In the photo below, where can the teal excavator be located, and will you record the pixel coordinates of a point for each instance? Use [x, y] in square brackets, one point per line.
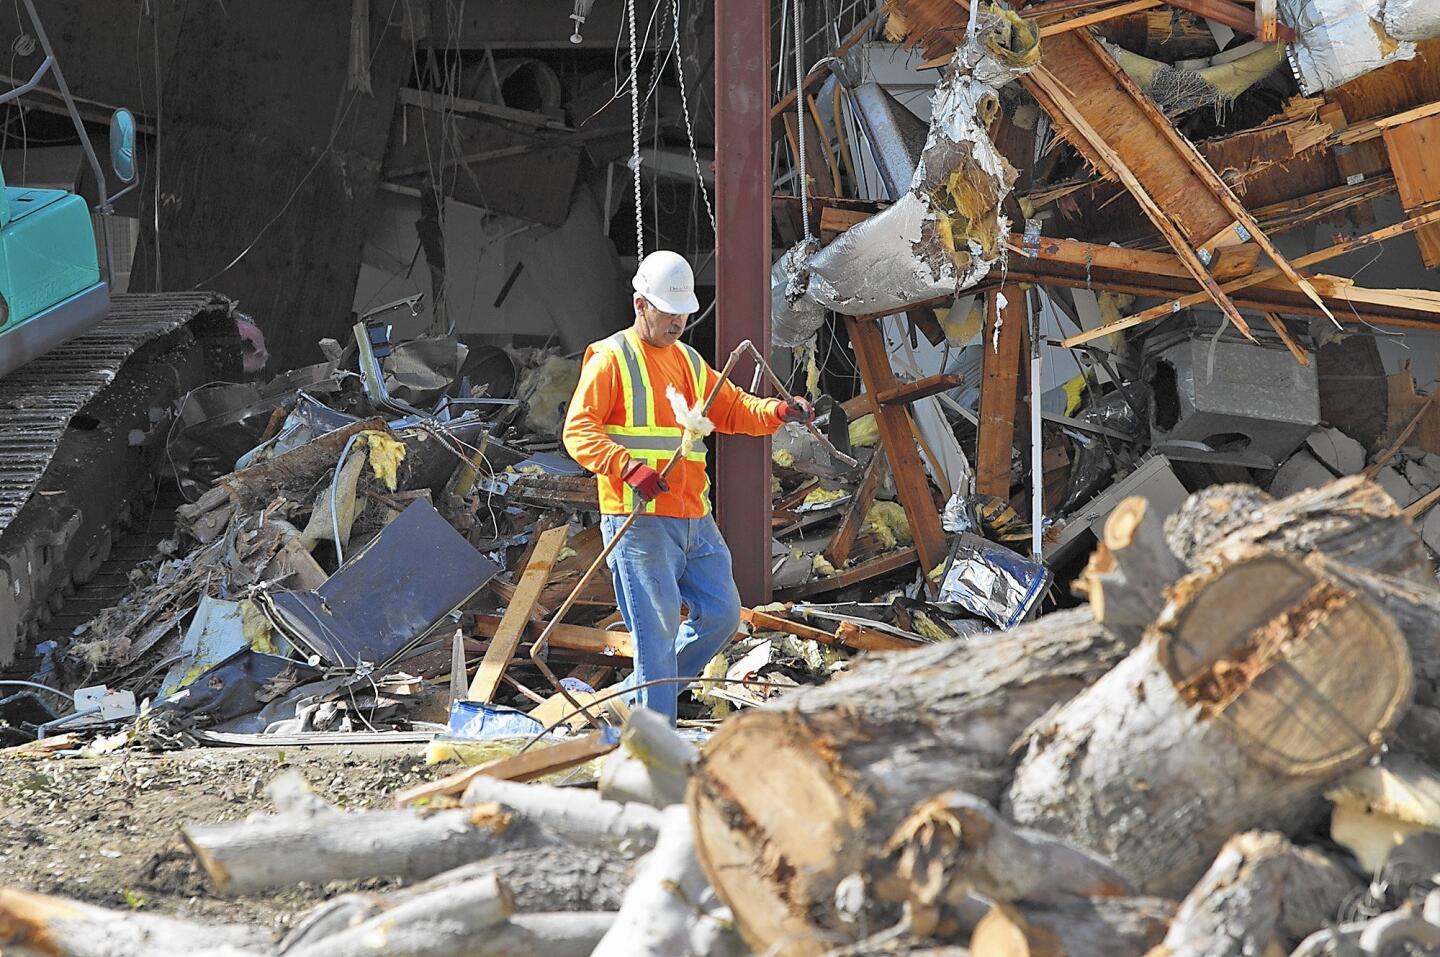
[88, 381]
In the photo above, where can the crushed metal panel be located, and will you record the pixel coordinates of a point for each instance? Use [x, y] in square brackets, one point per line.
[218, 631]
[1153, 479]
[394, 590]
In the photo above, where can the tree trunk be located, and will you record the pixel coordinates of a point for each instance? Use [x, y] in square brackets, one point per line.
[544, 935]
[442, 923]
[39, 924]
[1077, 927]
[792, 800]
[1130, 571]
[666, 913]
[1262, 893]
[543, 879]
[321, 844]
[1262, 682]
[955, 844]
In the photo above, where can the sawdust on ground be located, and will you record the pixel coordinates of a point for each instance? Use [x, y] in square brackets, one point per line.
[107, 830]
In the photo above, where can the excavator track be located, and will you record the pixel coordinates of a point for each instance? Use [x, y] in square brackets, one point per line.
[82, 430]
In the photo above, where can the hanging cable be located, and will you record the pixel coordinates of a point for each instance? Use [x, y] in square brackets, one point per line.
[635, 130]
[800, 115]
[685, 108]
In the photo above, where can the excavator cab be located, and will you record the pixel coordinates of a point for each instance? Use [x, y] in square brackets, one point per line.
[51, 285]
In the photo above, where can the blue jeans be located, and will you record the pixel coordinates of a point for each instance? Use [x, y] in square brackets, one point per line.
[658, 564]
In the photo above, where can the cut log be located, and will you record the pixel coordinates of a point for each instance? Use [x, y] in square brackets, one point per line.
[653, 764]
[670, 910]
[1261, 683]
[791, 800]
[284, 849]
[1128, 590]
[574, 817]
[544, 879]
[1366, 546]
[1262, 893]
[1077, 927]
[55, 927]
[442, 923]
[955, 845]
[543, 935]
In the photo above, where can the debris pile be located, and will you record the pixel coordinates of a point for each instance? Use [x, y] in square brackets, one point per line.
[1105, 597]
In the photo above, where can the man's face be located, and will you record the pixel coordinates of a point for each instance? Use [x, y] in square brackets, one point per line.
[658, 328]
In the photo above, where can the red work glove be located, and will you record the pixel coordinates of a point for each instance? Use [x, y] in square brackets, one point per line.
[797, 409]
[646, 482]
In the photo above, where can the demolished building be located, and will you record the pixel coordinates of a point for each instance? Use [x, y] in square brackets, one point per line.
[1094, 614]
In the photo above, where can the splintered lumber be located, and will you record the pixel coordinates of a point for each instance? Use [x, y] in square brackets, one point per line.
[53, 926]
[1262, 276]
[517, 615]
[440, 923]
[1240, 18]
[1098, 108]
[1261, 683]
[1106, 927]
[791, 800]
[1261, 894]
[664, 912]
[521, 767]
[955, 845]
[837, 551]
[855, 574]
[1001, 340]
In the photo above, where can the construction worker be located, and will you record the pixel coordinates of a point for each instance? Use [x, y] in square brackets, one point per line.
[622, 426]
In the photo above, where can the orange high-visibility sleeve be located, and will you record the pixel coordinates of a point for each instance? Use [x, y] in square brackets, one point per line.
[596, 395]
[737, 412]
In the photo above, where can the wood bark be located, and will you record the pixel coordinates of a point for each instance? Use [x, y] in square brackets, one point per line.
[1075, 927]
[1128, 576]
[319, 844]
[544, 935]
[441, 923]
[669, 910]
[1262, 893]
[1262, 683]
[791, 800]
[52, 926]
[653, 764]
[956, 845]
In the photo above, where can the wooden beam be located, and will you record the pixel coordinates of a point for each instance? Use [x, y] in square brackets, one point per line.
[1370, 129]
[526, 766]
[863, 572]
[1233, 15]
[1296, 350]
[837, 552]
[999, 392]
[1414, 151]
[565, 637]
[517, 615]
[898, 440]
[765, 621]
[1259, 277]
[907, 392]
[872, 639]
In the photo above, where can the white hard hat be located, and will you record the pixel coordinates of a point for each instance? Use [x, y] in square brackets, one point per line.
[665, 278]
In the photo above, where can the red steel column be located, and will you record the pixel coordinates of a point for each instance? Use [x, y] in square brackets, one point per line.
[742, 263]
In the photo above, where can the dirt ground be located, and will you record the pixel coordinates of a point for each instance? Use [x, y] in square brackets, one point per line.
[106, 830]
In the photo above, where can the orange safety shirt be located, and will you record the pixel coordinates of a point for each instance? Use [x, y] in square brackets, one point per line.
[620, 411]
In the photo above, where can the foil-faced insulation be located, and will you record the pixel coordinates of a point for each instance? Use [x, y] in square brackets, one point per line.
[945, 231]
[1338, 40]
[1412, 20]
